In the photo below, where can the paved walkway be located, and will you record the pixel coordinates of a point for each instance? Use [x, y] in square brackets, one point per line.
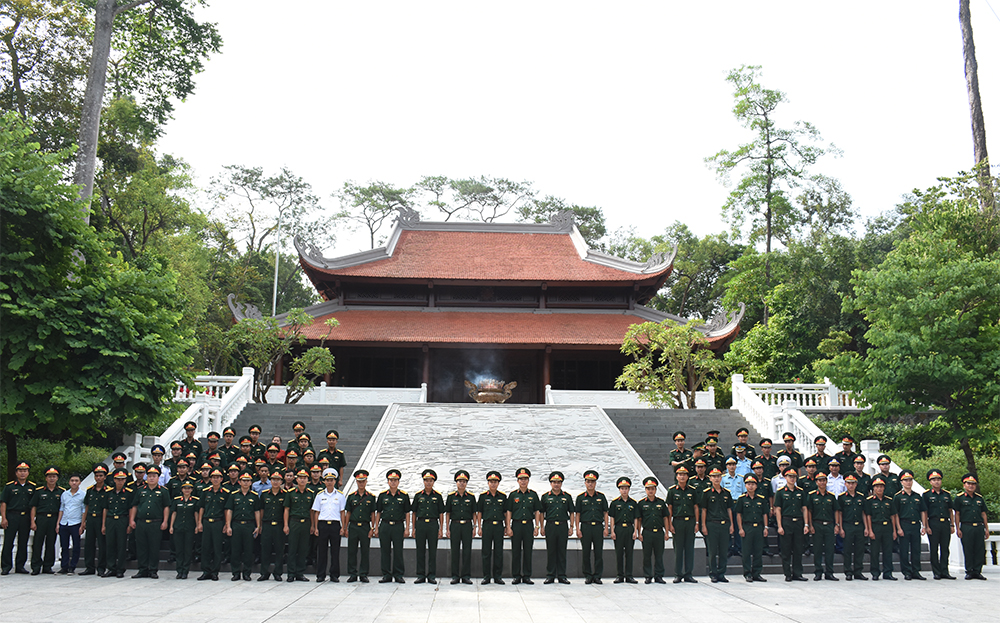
[77, 599]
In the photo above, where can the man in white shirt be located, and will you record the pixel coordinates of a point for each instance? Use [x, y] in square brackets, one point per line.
[835, 481]
[778, 481]
[327, 523]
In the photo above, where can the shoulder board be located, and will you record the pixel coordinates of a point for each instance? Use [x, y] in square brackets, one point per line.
[178, 497]
[435, 491]
[31, 483]
[403, 492]
[671, 487]
[976, 495]
[88, 488]
[384, 491]
[487, 491]
[870, 497]
[61, 488]
[129, 489]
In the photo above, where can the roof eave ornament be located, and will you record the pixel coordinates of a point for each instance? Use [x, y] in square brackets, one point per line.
[408, 218]
[563, 220]
[723, 322]
[242, 311]
[658, 261]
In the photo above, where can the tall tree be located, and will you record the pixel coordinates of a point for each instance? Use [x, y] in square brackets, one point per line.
[589, 219]
[373, 206]
[972, 84]
[484, 198]
[159, 48]
[772, 164]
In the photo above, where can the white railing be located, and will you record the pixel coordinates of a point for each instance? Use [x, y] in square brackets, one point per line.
[824, 395]
[325, 395]
[212, 386]
[615, 399]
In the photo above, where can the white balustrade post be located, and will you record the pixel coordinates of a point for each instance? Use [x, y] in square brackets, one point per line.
[203, 428]
[779, 421]
[322, 392]
[834, 393]
[423, 393]
[870, 448]
[737, 381]
[711, 397]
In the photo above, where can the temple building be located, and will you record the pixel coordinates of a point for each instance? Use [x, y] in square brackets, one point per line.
[443, 302]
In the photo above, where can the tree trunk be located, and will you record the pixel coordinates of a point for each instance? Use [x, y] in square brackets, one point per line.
[970, 456]
[90, 118]
[972, 83]
[10, 439]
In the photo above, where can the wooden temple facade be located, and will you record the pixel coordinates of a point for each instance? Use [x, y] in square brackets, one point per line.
[444, 302]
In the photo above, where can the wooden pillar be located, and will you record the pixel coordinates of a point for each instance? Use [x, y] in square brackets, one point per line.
[547, 368]
[426, 376]
[279, 372]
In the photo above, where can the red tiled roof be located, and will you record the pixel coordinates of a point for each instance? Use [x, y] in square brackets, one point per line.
[444, 327]
[486, 256]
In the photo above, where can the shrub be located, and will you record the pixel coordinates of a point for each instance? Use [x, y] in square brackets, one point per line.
[41, 454]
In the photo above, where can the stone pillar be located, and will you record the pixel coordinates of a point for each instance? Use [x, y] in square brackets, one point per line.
[870, 448]
[426, 375]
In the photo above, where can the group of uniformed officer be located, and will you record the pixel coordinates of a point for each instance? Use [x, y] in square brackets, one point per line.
[207, 515]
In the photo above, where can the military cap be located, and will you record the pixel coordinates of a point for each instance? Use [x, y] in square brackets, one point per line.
[205, 466]
[23, 465]
[970, 477]
[765, 443]
[309, 451]
[757, 464]
[119, 473]
[650, 481]
[233, 468]
[181, 461]
[523, 472]
[229, 430]
[187, 484]
[304, 436]
[213, 435]
[259, 463]
[273, 448]
[711, 441]
[883, 459]
[245, 476]
[713, 433]
[190, 456]
[556, 476]
[214, 455]
[361, 474]
[278, 474]
[52, 469]
[393, 473]
[743, 431]
[332, 434]
[740, 447]
[715, 470]
[494, 475]
[850, 478]
[329, 473]
[428, 473]
[860, 459]
[820, 476]
[158, 449]
[254, 429]
[242, 459]
[820, 439]
[700, 462]
[833, 461]
[100, 468]
[153, 469]
[118, 457]
[788, 437]
[749, 477]
[298, 425]
[323, 461]
[847, 439]
[461, 475]
[731, 460]
[906, 473]
[139, 467]
[679, 435]
[291, 454]
[316, 468]
[176, 444]
[302, 472]
[935, 473]
[684, 470]
[784, 458]
[790, 470]
[878, 480]
[810, 462]
[245, 439]
[216, 472]
[700, 447]
[624, 480]
[190, 426]
[590, 474]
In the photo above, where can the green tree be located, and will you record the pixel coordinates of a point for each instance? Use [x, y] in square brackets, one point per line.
[372, 206]
[671, 361]
[771, 165]
[589, 220]
[934, 310]
[484, 198]
[83, 341]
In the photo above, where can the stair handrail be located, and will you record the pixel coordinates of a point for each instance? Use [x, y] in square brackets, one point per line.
[823, 395]
[238, 396]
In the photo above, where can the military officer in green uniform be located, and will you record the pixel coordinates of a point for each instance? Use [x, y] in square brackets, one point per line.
[864, 480]
[335, 455]
[558, 511]
[879, 511]
[713, 457]
[824, 523]
[257, 447]
[699, 480]
[243, 512]
[115, 523]
[852, 529]
[360, 506]
[149, 517]
[751, 511]
[654, 526]
[298, 514]
[717, 525]
[183, 526]
[392, 524]
[970, 515]
[910, 511]
[821, 458]
[624, 514]
[792, 516]
[190, 444]
[592, 527]
[491, 525]
[213, 448]
[95, 551]
[44, 518]
[211, 520]
[272, 528]
[743, 439]
[15, 518]
[789, 450]
[460, 511]
[769, 460]
[937, 524]
[524, 516]
[428, 521]
[892, 486]
[847, 458]
[682, 504]
[681, 456]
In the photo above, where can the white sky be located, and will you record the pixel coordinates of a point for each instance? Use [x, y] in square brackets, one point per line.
[607, 104]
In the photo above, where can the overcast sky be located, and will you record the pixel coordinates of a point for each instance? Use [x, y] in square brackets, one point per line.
[607, 104]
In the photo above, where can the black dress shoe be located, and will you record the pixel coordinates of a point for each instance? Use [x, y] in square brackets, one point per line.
[246, 576]
[141, 574]
[180, 576]
[152, 575]
[564, 581]
[589, 581]
[714, 580]
[859, 576]
[948, 577]
[87, 572]
[498, 581]
[364, 579]
[917, 576]
[215, 577]
[431, 581]
[21, 570]
[799, 578]
[320, 578]
[848, 577]
[659, 580]
[528, 581]
[690, 580]
[7, 572]
[649, 580]
[748, 578]
[236, 578]
[619, 580]
[549, 581]
[39, 572]
[889, 577]
[455, 580]
[516, 581]
[301, 578]
[831, 577]
[485, 581]
[400, 580]
[352, 578]
[291, 578]
[277, 577]
[598, 581]
[817, 577]
[907, 577]
[420, 580]
[466, 581]
[980, 576]
[108, 574]
[385, 580]
[788, 578]
[120, 575]
[631, 581]
[335, 578]
[759, 578]
[678, 580]
[723, 579]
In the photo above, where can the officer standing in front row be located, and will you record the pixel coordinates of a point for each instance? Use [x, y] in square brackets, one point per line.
[852, 528]
[937, 524]
[523, 519]
[15, 519]
[44, 518]
[623, 512]
[243, 526]
[298, 507]
[682, 504]
[183, 525]
[654, 526]
[358, 515]
[592, 527]
[558, 510]
[491, 525]
[149, 517]
[428, 518]
[272, 528]
[115, 523]
[392, 524]
[970, 515]
[95, 554]
[460, 510]
[751, 512]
